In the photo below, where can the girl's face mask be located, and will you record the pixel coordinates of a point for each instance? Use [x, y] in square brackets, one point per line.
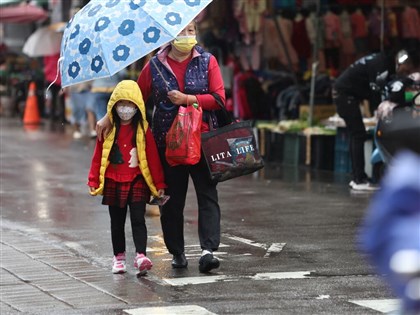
[184, 43]
[126, 112]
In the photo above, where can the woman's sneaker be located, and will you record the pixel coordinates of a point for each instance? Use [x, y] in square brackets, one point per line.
[142, 264]
[207, 263]
[118, 263]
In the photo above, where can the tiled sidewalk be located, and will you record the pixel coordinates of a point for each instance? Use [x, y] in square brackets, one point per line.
[41, 278]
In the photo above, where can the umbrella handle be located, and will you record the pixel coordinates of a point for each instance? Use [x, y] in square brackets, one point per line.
[56, 76]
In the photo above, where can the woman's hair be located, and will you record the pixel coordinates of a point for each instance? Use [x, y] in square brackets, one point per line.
[195, 26]
[137, 120]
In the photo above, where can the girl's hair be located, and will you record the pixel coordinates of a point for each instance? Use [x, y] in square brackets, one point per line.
[137, 120]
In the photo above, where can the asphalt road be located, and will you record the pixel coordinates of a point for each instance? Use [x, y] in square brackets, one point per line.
[288, 242]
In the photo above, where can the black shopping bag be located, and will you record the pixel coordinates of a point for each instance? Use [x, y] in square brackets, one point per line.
[231, 151]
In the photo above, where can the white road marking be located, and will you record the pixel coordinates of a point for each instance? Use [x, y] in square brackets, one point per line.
[383, 306]
[259, 276]
[196, 280]
[274, 248]
[195, 250]
[322, 297]
[189, 248]
[282, 275]
[170, 310]
[246, 241]
[198, 255]
[192, 246]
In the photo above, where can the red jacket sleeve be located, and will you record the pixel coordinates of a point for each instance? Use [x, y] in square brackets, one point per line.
[207, 101]
[93, 177]
[153, 160]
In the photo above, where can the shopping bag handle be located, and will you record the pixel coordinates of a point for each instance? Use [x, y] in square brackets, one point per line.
[161, 75]
[226, 115]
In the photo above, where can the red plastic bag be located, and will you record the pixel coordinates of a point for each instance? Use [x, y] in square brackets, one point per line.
[183, 140]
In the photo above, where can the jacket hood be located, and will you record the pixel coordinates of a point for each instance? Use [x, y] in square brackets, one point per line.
[127, 90]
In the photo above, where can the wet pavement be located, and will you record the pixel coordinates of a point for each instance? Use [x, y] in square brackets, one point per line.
[288, 241]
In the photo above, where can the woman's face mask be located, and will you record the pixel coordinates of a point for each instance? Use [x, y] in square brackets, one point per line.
[184, 43]
[126, 112]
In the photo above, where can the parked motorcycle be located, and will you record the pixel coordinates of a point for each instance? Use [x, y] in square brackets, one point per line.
[398, 124]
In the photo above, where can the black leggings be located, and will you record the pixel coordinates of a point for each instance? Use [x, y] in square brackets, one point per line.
[138, 226]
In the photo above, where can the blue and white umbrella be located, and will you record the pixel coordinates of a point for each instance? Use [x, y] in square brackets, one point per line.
[106, 36]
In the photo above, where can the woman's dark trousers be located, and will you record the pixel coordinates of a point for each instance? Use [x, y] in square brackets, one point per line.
[172, 213]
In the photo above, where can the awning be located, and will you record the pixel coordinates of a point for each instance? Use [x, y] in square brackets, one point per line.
[22, 14]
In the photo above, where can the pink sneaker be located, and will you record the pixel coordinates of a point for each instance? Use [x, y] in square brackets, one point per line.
[118, 263]
[142, 263]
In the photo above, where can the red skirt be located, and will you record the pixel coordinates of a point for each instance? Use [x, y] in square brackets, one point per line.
[119, 194]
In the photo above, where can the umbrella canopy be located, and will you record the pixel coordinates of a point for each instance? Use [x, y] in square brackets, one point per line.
[22, 14]
[107, 36]
[43, 42]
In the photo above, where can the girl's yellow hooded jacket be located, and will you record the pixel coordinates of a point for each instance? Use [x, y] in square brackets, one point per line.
[130, 91]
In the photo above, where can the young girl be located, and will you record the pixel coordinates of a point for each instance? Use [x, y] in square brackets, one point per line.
[126, 169]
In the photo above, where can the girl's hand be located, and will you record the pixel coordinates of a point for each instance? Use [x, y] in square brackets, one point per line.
[103, 127]
[92, 190]
[161, 192]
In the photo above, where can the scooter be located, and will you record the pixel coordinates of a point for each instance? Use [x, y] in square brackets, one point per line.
[398, 124]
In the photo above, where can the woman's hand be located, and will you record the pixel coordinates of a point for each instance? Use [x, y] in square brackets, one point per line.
[177, 97]
[92, 190]
[103, 127]
[161, 192]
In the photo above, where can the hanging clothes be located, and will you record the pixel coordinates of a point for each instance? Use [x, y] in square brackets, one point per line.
[360, 32]
[241, 107]
[374, 30]
[410, 27]
[311, 22]
[300, 41]
[250, 16]
[284, 4]
[273, 46]
[391, 18]
[333, 38]
[332, 30]
[347, 44]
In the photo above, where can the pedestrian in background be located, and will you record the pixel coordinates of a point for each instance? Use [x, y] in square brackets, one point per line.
[79, 98]
[126, 169]
[55, 104]
[358, 83]
[182, 74]
[91, 116]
